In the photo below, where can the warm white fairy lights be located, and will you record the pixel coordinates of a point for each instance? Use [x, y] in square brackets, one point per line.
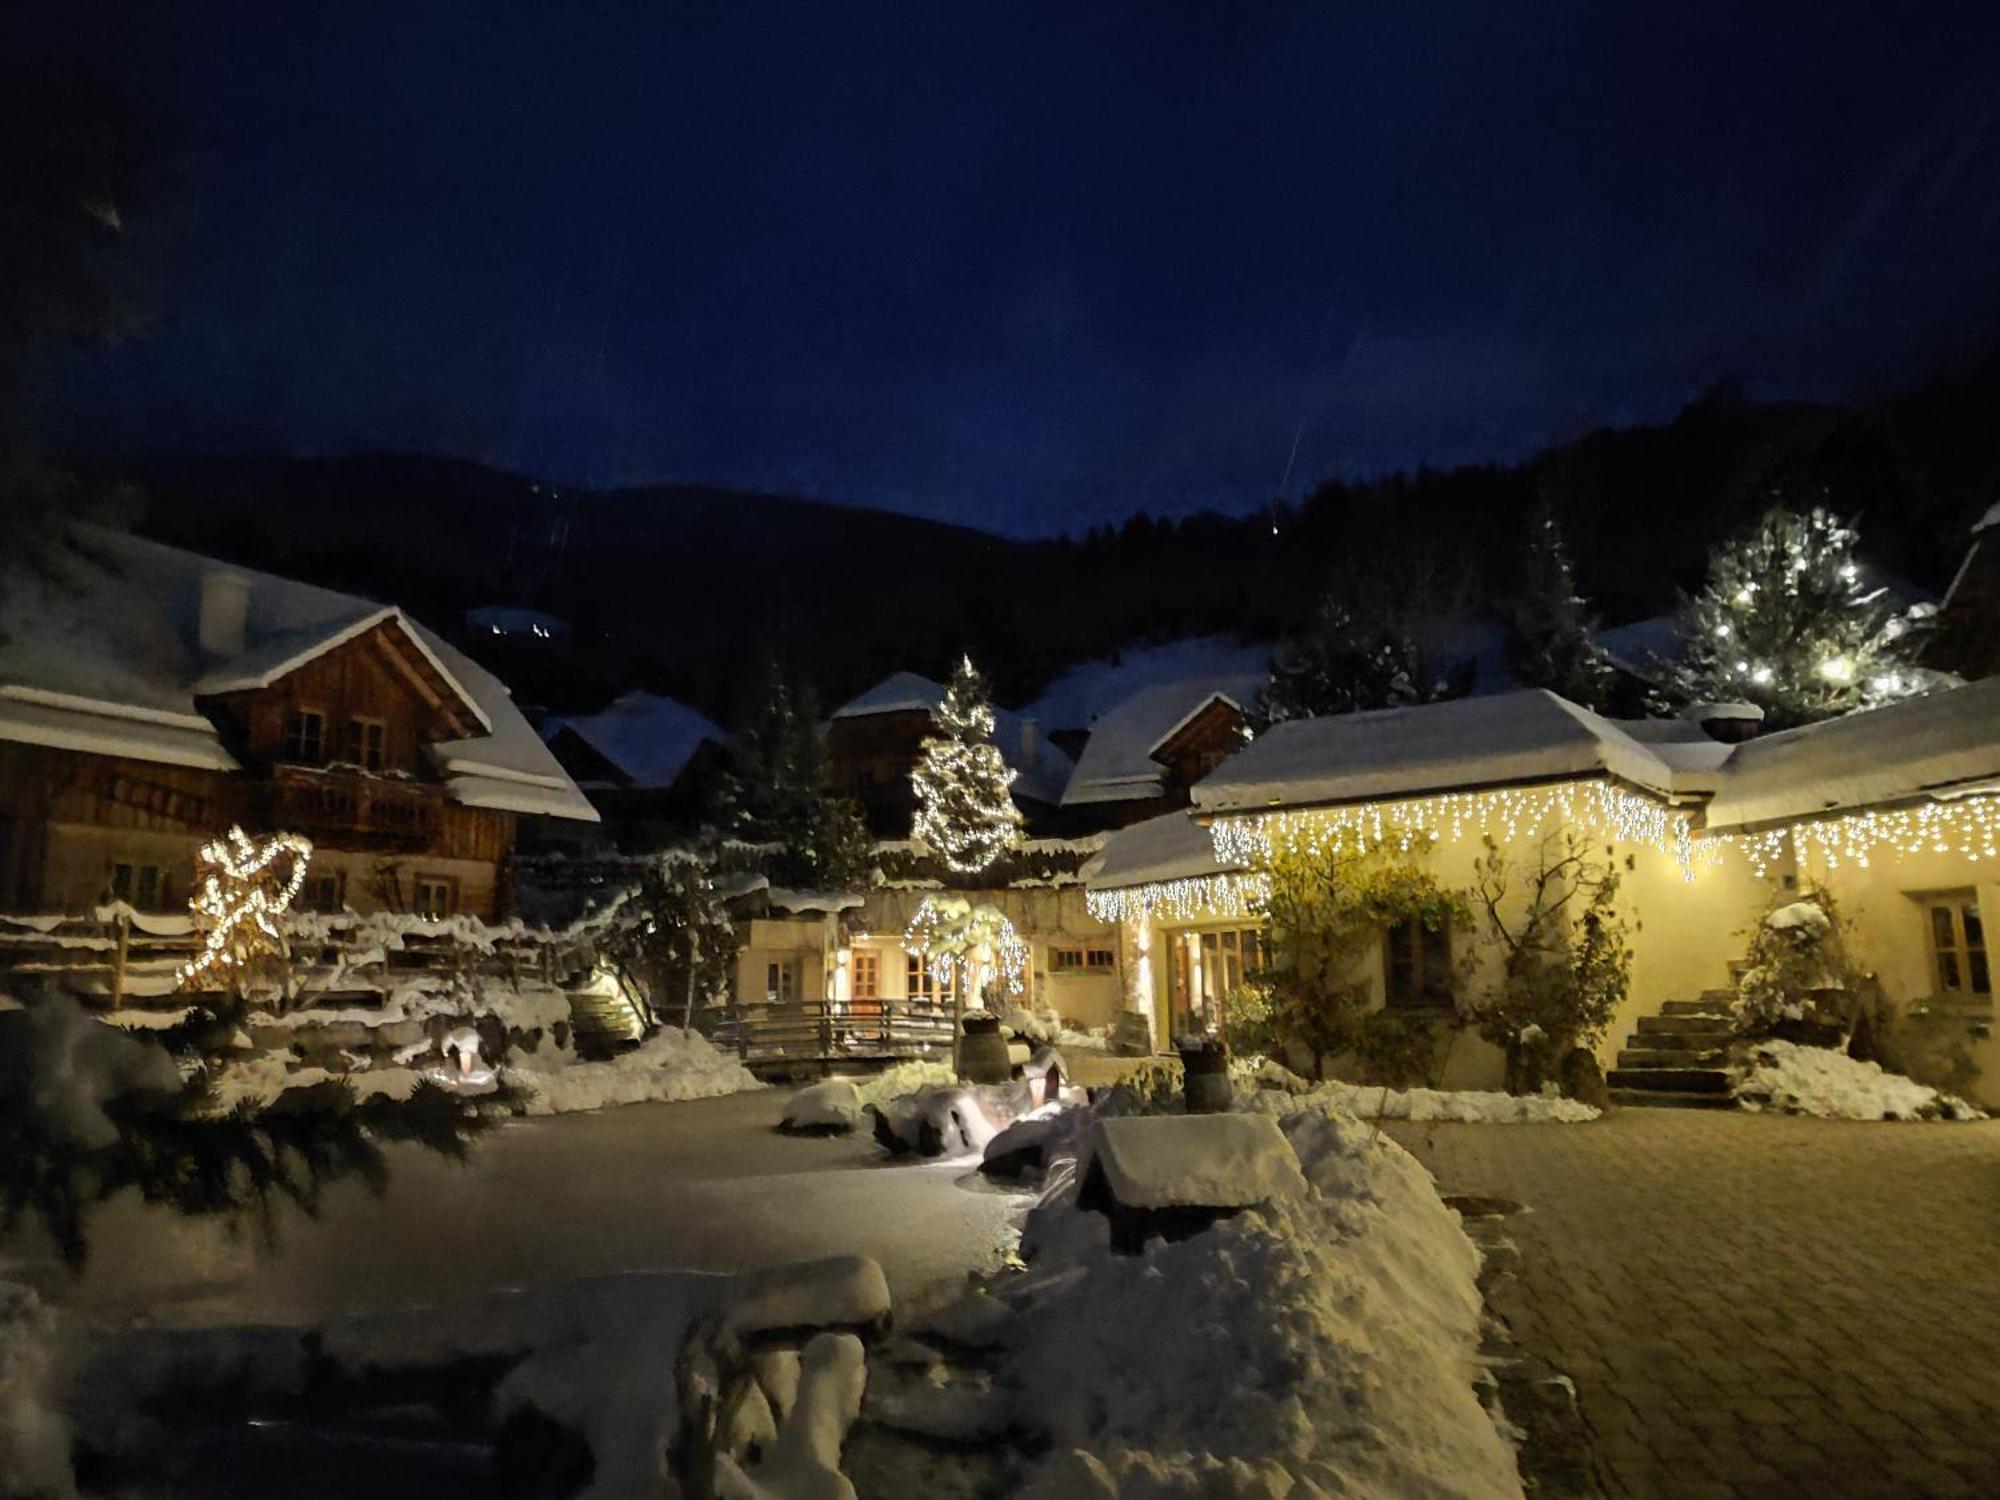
[1183, 900]
[1508, 813]
[240, 898]
[964, 812]
[1968, 827]
[948, 932]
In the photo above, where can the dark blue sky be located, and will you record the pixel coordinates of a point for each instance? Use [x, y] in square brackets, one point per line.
[1037, 266]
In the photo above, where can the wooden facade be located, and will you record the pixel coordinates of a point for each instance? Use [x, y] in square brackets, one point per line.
[333, 750]
[870, 757]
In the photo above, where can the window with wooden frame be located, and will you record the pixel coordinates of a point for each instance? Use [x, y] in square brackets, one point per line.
[436, 896]
[367, 739]
[326, 891]
[1065, 960]
[781, 981]
[864, 974]
[142, 887]
[920, 983]
[1416, 966]
[305, 736]
[1099, 960]
[1958, 943]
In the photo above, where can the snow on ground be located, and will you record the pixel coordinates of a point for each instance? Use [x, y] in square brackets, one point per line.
[34, 1432]
[671, 1064]
[1454, 1106]
[1325, 1342]
[1797, 1080]
[1222, 1161]
[59, 1067]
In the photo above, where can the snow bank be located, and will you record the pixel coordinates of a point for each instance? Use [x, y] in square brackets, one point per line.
[1453, 1106]
[1325, 1342]
[904, 1078]
[672, 1064]
[829, 1108]
[1797, 1080]
[34, 1433]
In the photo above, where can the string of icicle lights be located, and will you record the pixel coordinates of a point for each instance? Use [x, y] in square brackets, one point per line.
[1968, 827]
[1509, 813]
[239, 899]
[1181, 900]
[949, 932]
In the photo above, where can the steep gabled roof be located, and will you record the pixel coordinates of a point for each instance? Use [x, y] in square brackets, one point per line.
[103, 657]
[1042, 776]
[647, 737]
[1941, 744]
[1506, 739]
[1118, 762]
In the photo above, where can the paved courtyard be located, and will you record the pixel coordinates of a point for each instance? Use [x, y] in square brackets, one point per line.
[1757, 1306]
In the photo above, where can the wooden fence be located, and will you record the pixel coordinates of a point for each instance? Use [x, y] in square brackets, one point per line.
[801, 1035]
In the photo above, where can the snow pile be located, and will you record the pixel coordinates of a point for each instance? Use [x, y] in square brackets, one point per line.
[1325, 1342]
[829, 1108]
[1215, 1161]
[904, 1078]
[671, 1064]
[58, 1068]
[1451, 1106]
[34, 1433]
[1798, 1080]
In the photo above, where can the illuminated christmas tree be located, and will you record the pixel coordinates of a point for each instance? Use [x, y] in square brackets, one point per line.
[1787, 621]
[245, 887]
[1549, 626]
[964, 812]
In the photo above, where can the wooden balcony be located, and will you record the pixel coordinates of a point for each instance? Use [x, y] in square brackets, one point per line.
[352, 808]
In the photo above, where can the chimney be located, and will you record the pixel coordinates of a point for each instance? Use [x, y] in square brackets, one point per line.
[1731, 723]
[225, 603]
[1031, 733]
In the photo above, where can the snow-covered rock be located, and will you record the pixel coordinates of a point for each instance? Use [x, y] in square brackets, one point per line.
[1792, 1079]
[1195, 1161]
[671, 1064]
[843, 1291]
[904, 1078]
[955, 1120]
[829, 1108]
[803, 1463]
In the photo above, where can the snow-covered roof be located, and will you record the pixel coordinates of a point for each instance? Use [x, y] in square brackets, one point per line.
[1117, 763]
[1170, 847]
[1043, 775]
[1526, 736]
[102, 657]
[648, 737]
[1642, 647]
[1939, 744]
[1090, 689]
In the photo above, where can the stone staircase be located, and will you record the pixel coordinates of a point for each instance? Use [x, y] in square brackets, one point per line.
[605, 1025]
[1677, 1059]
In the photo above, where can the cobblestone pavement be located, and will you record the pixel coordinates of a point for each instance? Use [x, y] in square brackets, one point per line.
[1756, 1305]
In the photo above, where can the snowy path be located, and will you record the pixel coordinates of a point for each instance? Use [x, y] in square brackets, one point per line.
[1756, 1305]
[704, 1185]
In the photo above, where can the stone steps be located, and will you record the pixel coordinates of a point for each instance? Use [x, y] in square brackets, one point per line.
[1715, 1025]
[1671, 1057]
[1671, 1080]
[1696, 1008]
[1669, 1099]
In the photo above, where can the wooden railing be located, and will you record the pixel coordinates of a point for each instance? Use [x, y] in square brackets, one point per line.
[778, 1036]
[348, 802]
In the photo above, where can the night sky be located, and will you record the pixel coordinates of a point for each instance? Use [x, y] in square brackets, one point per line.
[1037, 266]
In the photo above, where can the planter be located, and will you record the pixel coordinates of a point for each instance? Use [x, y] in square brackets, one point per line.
[982, 1051]
[1205, 1079]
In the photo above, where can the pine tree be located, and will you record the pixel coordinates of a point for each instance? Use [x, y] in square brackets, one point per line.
[1366, 646]
[1549, 626]
[675, 944]
[1786, 621]
[965, 814]
[777, 796]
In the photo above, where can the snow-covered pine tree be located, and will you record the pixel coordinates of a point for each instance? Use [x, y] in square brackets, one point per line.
[1787, 621]
[965, 814]
[1367, 645]
[1549, 626]
[777, 796]
[675, 942]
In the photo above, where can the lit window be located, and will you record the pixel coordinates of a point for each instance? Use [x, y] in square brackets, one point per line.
[1207, 965]
[305, 731]
[921, 983]
[437, 897]
[865, 974]
[1958, 944]
[781, 981]
[1416, 965]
